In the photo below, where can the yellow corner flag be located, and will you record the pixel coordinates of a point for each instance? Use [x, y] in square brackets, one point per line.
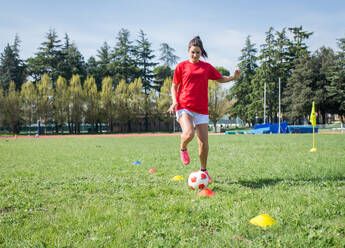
[313, 116]
[313, 122]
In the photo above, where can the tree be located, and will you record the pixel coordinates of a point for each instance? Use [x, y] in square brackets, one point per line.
[308, 83]
[47, 59]
[161, 72]
[151, 109]
[104, 68]
[240, 92]
[29, 103]
[93, 70]
[61, 103]
[2, 106]
[144, 56]
[107, 100]
[72, 61]
[218, 104]
[136, 101]
[12, 68]
[164, 100]
[77, 102]
[123, 113]
[91, 102]
[298, 47]
[167, 55]
[123, 62]
[323, 60]
[223, 71]
[336, 88]
[12, 111]
[44, 100]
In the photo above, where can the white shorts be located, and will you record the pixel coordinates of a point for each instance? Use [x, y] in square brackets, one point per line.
[197, 118]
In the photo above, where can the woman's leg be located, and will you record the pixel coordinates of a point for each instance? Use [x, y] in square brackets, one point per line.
[202, 134]
[186, 123]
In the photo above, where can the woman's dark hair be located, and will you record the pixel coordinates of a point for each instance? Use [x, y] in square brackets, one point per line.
[196, 41]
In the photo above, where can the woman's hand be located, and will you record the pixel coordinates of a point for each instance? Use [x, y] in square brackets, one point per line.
[225, 79]
[171, 110]
[237, 73]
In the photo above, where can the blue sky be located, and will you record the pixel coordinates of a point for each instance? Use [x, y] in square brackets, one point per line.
[223, 25]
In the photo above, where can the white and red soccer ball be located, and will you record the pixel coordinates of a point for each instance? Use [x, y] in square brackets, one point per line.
[198, 180]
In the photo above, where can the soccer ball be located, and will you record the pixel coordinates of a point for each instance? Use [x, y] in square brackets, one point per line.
[198, 180]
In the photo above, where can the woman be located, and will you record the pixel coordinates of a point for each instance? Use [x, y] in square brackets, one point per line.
[190, 99]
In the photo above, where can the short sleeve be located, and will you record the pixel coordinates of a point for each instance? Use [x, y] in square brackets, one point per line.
[177, 75]
[213, 73]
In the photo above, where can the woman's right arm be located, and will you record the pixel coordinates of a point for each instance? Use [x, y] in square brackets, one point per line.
[171, 110]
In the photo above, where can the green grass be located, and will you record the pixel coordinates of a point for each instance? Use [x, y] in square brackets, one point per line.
[86, 192]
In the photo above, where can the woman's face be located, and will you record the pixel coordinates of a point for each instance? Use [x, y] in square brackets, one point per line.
[194, 54]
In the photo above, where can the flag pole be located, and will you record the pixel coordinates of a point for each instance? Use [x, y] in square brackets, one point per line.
[313, 122]
[265, 103]
[279, 107]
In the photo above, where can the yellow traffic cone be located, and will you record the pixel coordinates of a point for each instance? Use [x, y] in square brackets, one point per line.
[177, 178]
[262, 220]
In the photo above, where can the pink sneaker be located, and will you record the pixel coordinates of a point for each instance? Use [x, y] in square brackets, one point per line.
[209, 177]
[185, 157]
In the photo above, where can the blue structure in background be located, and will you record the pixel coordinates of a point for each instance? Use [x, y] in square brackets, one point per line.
[302, 129]
[269, 128]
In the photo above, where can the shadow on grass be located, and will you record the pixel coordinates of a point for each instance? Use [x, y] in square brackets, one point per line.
[265, 182]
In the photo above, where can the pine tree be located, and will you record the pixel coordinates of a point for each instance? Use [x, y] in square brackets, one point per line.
[123, 62]
[104, 56]
[29, 103]
[298, 47]
[242, 88]
[144, 56]
[161, 73]
[299, 90]
[12, 68]
[2, 106]
[72, 61]
[47, 59]
[167, 55]
[324, 59]
[336, 88]
[92, 71]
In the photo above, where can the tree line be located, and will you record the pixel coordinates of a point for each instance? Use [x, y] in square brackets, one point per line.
[64, 88]
[123, 83]
[305, 77]
[75, 102]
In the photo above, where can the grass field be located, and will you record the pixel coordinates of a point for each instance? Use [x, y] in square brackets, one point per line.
[86, 192]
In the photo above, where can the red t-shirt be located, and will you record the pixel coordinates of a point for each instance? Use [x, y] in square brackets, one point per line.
[192, 79]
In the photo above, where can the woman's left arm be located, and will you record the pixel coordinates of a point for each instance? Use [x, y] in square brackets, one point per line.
[225, 79]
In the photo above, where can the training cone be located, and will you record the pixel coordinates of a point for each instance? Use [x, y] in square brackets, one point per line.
[262, 220]
[153, 170]
[313, 149]
[177, 178]
[136, 162]
[206, 192]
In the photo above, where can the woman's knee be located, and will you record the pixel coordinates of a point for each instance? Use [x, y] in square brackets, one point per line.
[203, 145]
[188, 134]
